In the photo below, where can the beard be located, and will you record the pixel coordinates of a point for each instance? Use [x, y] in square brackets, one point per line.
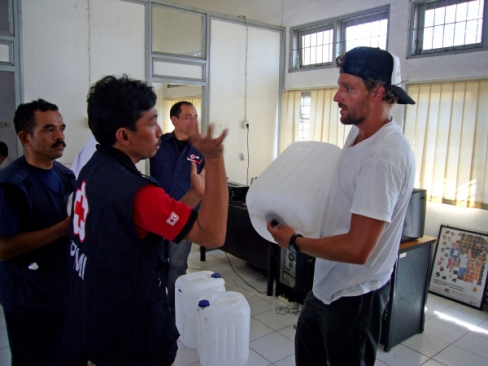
[351, 120]
[355, 114]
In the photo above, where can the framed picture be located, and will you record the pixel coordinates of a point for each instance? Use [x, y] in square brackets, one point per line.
[460, 267]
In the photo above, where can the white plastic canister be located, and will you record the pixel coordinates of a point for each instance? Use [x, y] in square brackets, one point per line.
[223, 329]
[188, 288]
[293, 189]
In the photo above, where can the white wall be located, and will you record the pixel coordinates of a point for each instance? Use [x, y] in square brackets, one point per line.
[55, 61]
[241, 92]
[265, 11]
[469, 218]
[70, 44]
[461, 66]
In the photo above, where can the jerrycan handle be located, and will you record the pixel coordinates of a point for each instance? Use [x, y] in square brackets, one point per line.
[226, 301]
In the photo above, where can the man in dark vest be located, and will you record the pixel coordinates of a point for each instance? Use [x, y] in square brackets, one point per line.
[34, 245]
[117, 308]
[171, 167]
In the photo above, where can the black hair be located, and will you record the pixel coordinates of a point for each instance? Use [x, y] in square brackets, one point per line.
[116, 102]
[3, 149]
[176, 109]
[24, 119]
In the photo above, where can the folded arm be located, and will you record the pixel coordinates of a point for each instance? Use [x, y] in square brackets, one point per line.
[18, 244]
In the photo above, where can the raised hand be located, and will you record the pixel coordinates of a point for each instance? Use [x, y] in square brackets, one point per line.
[211, 148]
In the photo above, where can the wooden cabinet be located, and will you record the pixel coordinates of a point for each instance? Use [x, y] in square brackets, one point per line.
[405, 312]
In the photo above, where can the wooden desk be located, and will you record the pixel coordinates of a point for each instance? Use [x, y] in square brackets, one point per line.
[245, 243]
[405, 312]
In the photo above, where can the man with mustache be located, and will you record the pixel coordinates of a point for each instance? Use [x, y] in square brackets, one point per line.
[340, 322]
[34, 246]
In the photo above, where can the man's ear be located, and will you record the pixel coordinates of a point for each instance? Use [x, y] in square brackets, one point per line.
[122, 136]
[24, 138]
[377, 93]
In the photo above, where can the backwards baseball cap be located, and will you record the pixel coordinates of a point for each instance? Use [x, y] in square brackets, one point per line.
[377, 64]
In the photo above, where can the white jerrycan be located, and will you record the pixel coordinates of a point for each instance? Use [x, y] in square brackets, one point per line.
[293, 189]
[188, 288]
[224, 320]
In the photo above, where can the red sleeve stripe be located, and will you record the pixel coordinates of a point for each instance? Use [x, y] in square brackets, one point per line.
[156, 212]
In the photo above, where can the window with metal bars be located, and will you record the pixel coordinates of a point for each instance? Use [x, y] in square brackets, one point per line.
[447, 26]
[318, 44]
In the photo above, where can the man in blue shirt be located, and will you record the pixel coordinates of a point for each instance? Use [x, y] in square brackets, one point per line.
[171, 166]
[34, 247]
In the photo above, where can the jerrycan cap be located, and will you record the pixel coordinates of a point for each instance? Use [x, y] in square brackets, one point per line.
[216, 275]
[203, 304]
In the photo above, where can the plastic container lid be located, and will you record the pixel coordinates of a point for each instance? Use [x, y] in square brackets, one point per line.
[204, 303]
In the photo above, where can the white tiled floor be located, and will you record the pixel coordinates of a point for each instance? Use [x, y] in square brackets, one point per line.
[454, 333]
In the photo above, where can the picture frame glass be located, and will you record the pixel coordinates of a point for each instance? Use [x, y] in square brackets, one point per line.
[460, 267]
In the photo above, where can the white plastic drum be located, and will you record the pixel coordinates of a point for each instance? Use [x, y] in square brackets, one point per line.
[188, 288]
[293, 189]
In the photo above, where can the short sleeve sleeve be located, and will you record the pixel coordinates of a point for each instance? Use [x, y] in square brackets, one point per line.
[156, 212]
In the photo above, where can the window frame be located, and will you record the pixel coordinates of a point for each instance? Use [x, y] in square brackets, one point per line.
[9, 18]
[362, 19]
[13, 39]
[309, 31]
[415, 39]
[337, 25]
[204, 32]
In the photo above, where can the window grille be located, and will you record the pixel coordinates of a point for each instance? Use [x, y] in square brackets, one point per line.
[447, 25]
[368, 30]
[318, 44]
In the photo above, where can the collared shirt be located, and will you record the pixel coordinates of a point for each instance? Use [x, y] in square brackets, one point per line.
[172, 169]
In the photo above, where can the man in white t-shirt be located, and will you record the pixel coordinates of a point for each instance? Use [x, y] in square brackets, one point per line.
[340, 322]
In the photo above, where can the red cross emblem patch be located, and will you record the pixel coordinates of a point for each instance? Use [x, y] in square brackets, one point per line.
[172, 219]
[80, 212]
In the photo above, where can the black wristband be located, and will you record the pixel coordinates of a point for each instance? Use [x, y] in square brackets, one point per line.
[292, 245]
